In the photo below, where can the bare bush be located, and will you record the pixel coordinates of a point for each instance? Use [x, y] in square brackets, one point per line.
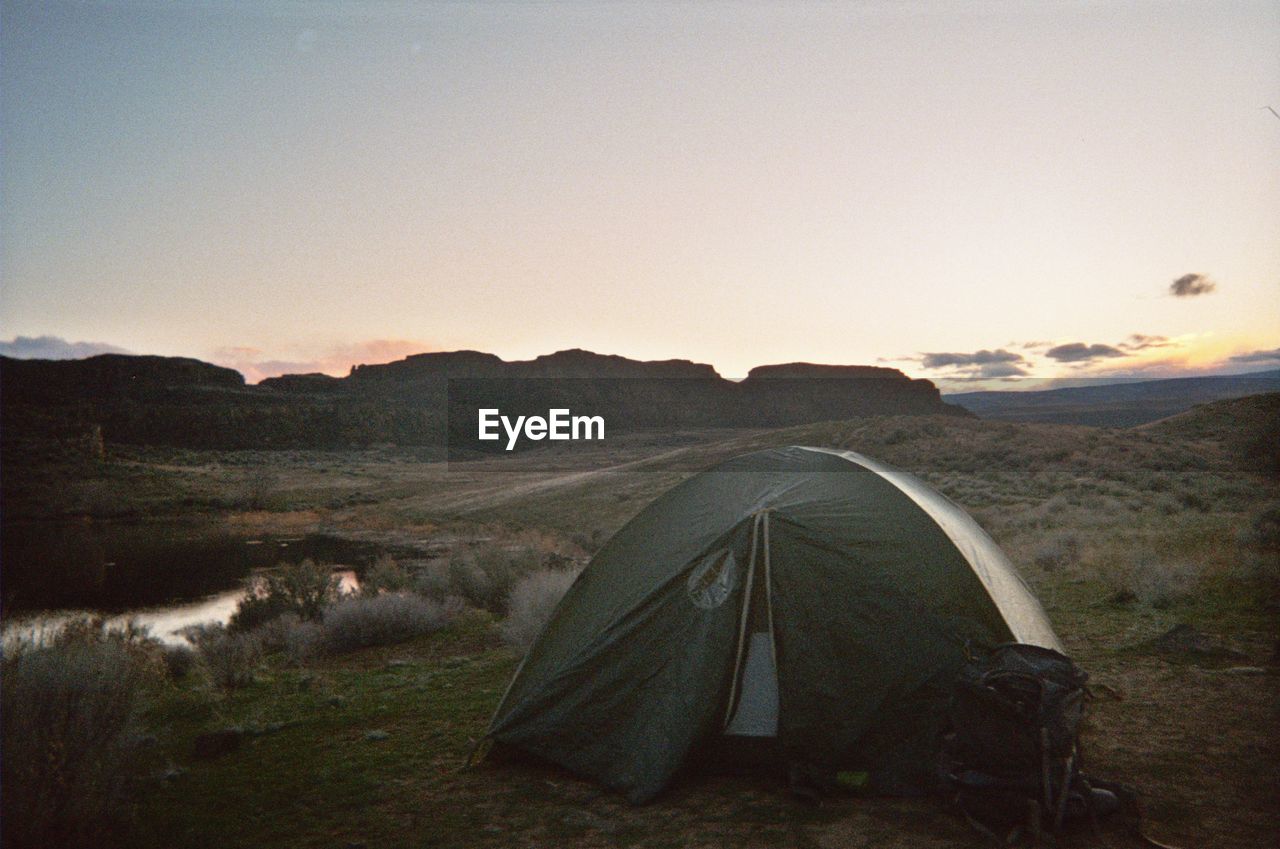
[355, 623]
[532, 601]
[68, 707]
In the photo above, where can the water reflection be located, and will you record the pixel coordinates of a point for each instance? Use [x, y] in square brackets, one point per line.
[165, 622]
[119, 566]
[163, 574]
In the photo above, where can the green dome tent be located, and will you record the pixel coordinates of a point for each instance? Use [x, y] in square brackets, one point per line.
[812, 598]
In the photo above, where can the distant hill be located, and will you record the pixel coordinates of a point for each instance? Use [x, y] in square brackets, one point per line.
[1247, 427]
[1114, 404]
[422, 399]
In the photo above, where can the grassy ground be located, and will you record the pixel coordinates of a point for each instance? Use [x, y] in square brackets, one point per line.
[1122, 533]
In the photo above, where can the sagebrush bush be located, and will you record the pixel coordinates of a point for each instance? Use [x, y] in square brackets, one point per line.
[432, 580]
[1058, 552]
[178, 661]
[532, 601]
[274, 633]
[302, 642]
[228, 658]
[68, 708]
[1158, 584]
[297, 640]
[359, 622]
[486, 575]
[385, 575]
[304, 589]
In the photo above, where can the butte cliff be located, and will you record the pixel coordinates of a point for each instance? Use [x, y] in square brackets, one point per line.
[416, 401]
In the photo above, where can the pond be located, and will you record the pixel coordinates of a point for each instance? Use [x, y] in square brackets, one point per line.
[166, 575]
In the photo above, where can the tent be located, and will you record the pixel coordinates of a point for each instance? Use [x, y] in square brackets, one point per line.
[808, 598]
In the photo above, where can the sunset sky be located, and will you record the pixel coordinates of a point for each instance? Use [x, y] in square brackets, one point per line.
[978, 188]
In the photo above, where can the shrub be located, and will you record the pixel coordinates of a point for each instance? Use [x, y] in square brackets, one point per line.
[228, 658]
[385, 575]
[302, 642]
[1158, 584]
[532, 602]
[355, 623]
[297, 639]
[273, 634]
[1261, 545]
[1058, 552]
[485, 576]
[304, 589]
[177, 660]
[68, 707]
[432, 580]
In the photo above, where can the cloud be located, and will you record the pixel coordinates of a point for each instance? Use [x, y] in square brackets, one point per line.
[977, 358]
[1079, 352]
[1140, 342]
[1190, 285]
[999, 370]
[54, 348]
[256, 364]
[1272, 356]
[983, 363]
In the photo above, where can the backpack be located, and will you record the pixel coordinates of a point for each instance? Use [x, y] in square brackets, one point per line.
[1010, 757]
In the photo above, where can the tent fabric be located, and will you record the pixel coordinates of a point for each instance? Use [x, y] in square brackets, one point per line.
[872, 585]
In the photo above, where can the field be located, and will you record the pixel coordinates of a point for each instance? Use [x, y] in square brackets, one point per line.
[1123, 534]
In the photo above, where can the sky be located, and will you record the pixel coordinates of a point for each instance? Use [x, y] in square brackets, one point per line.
[955, 189]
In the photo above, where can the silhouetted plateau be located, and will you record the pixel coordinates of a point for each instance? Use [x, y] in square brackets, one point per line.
[181, 402]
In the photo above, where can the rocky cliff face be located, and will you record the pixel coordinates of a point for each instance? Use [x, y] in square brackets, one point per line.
[424, 398]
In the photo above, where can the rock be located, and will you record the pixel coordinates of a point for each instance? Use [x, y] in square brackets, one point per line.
[214, 743]
[398, 663]
[376, 734]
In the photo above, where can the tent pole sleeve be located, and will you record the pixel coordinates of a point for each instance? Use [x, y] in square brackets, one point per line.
[742, 624]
